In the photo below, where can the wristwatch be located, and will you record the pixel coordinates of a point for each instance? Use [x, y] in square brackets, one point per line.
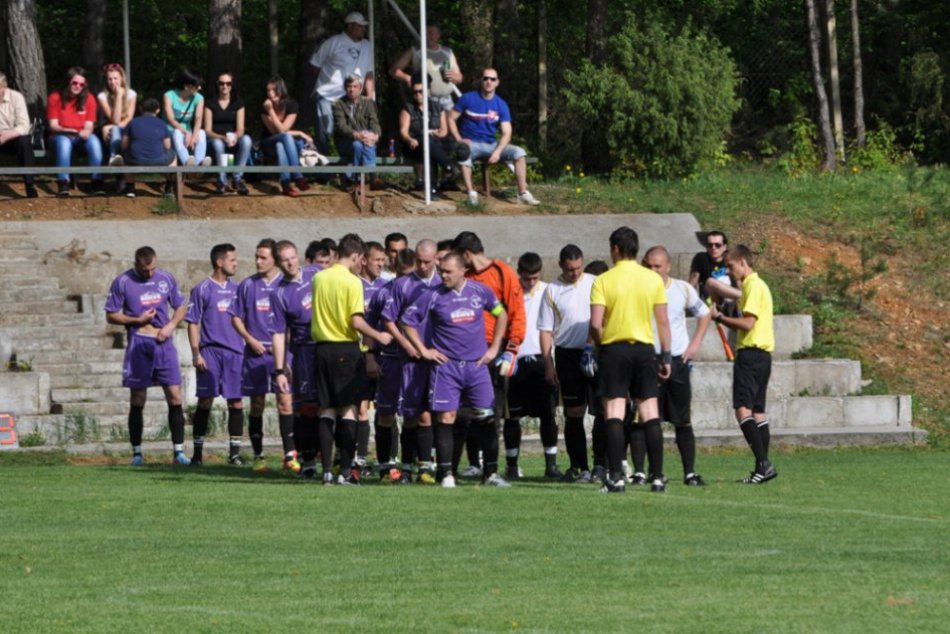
[279, 372]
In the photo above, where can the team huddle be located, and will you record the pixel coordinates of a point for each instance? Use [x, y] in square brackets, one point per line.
[448, 344]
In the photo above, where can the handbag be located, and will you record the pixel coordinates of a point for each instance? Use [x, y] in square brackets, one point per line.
[38, 134]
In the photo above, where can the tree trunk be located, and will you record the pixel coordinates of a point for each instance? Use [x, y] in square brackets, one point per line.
[596, 30]
[542, 76]
[26, 68]
[224, 39]
[477, 18]
[824, 121]
[859, 129]
[831, 26]
[93, 38]
[507, 50]
[273, 36]
[312, 29]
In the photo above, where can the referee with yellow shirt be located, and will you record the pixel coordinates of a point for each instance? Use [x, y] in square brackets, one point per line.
[755, 341]
[337, 308]
[622, 302]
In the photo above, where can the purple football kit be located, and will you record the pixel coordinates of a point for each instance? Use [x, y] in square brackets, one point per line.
[414, 386]
[252, 305]
[458, 331]
[219, 343]
[147, 361]
[292, 314]
[370, 290]
[390, 358]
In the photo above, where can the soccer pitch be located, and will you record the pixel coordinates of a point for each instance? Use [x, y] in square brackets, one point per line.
[845, 540]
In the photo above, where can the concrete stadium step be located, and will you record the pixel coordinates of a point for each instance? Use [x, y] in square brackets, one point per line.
[17, 240]
[89, 394]
[823, 412]
[60, 306]
[86, 375]
[29, 258]
[154, 406]
[793, 334]
[87, 360]
[800, 377]
[31, 280]
[75, 345]
[29, 294]
[21, 267]
[58, 321]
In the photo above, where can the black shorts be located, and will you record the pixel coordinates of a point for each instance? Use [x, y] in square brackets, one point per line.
[676, 394]
[627, 369]
[529, 394]
[340, 372]
[575, 387]
[750, 379]
[368, 385]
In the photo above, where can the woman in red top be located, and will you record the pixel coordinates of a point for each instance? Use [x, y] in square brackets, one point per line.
[72, 116]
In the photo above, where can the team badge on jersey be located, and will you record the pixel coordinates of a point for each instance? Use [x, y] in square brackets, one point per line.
[223, 305]
[163, 287]
[262, 304]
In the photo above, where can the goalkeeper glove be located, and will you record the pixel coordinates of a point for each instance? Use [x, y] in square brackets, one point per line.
[507, 363]
[588, 362]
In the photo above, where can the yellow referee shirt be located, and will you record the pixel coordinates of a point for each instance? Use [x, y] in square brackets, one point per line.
[756, 300]
[337, 296]
[628, 292]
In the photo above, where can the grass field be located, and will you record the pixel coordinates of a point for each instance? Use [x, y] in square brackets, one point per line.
[843, 540]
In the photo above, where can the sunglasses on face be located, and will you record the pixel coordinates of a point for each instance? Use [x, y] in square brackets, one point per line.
[224, 83]
[715, 245]
[78, 84]
[486, 78]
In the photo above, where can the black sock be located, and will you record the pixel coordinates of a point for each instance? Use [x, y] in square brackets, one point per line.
[766, 436]
[176, 423]
[199, 424]
[286, 424]
[752, 436]
[325, 438]
[598, 441]
[307, 437]
[575, 440]
[298, 432]
[686, 441]
[409, 444]
[654, 434]
[362, 438]
[255, 429]
[424, 442]
[638, 447]
[512, 433]
[459, 437]
[235, 430]
[488, 439]
[346, 442]
[548, 429]
[472, 445]
[616, 448]
[384, 443]
[394, 447]
[444, 451]
[136, 423]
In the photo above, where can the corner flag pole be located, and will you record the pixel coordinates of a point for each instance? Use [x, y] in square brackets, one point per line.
[427, 170]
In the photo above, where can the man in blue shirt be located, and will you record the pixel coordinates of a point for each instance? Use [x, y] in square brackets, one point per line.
[475, 121]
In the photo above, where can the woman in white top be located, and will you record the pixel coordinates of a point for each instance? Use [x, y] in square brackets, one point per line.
[117, 104]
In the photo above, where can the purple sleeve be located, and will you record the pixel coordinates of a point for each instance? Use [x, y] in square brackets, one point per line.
[415, 313]
[175, 296]
[116, 298]
[279, 310]
[390, 311]
[236, 309]
[193, 316]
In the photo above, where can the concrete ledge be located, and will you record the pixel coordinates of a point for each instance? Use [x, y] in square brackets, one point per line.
[820, 412]
[831, 377]
[24, 392]
[793, 334]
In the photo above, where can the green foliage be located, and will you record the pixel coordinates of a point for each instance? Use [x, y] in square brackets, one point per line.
[802, 155]
[166, 206]
[78, 427]
[881, 149]
[661, 104]
[33, 439]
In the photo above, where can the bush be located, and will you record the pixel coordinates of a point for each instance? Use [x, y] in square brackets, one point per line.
[660, 105]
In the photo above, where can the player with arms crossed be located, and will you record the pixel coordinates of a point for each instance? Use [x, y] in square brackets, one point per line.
[216, 350]
[753, 366]
[459, 376]
[139, 300]
[624, 302]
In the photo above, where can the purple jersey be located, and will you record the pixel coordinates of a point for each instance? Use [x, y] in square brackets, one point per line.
[132, 295]
[457, 319]
[370, 289]
[406, 291]
[208, 306]
[291, 306]
[382, 298]
[253, 306]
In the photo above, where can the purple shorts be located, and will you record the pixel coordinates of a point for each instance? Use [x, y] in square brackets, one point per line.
[223, 376]
[257, 373]
[389, 384]
[303, 370]
[414, 391]
[148, 362]
[460, 383]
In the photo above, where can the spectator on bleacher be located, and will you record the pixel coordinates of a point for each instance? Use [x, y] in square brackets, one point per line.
[475, 120]
[283, 142]
[71, 113]
[224, 127]
[441, 65]
[344, 54]
[15, 131]
[410, 132]
[147, 141]
[355, 126]
[183, 108]
[117, 104]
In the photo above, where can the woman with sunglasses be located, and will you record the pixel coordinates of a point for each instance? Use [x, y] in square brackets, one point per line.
[184, 109]
[410, 131]
[71, 113]
[117, 104]
[283, 143]
[224, 126]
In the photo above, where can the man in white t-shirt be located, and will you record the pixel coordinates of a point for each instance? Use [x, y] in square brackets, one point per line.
[344, 54]
[675, 392]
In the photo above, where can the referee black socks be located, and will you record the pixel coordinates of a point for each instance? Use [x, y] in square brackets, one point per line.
[325, 435]
[686, 442]
[754, 437]
[362, 438]
[765, 434]
[346, 442]
[616, 447]
[575, 440]
[638, 447]
[176, 423]
[654, 435]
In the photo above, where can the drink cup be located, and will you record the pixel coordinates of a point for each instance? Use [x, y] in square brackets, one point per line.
[231, 138]
[230, 160]
[223, 160]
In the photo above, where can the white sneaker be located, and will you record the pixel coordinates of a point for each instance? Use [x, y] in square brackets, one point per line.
[206, 161]
[448, 482]
[191, 162]
[496, 480]
[116, 161]
[525, 198]
[627, 471]
[472, 472]
[473, 197]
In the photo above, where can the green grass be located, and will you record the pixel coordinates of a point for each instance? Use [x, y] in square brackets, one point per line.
[844, 540]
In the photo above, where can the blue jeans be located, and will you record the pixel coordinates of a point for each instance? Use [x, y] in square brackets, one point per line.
[201, 146]
[356, 153]
[324, 125]
[283, 148]
[241, 151]
[115, 141]
[65, 144]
